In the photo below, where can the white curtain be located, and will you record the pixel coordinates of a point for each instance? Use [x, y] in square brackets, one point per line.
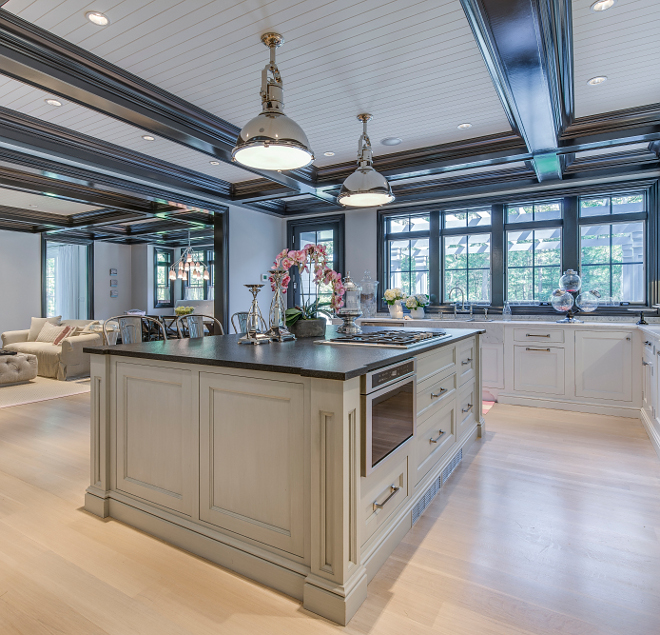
[70, 280]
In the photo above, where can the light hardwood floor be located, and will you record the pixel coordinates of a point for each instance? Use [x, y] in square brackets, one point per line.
[550, 525]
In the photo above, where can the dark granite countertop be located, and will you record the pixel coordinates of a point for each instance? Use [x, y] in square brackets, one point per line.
[301, 357]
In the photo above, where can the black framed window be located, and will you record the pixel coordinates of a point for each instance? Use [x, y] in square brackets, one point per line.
[200, 289]
[613, 251]
[466, 260]
[326, 231]
[163, 286]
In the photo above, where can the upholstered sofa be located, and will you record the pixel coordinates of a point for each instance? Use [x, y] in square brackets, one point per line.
[63, 361]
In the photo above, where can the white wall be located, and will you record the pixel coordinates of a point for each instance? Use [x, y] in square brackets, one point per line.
[112, 256]
[254, 241]
[20, 286]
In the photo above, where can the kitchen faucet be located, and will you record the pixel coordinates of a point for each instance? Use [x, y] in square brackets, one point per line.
[462, 296]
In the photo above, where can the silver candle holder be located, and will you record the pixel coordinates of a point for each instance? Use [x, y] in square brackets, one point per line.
[255, 321]
[277, 331]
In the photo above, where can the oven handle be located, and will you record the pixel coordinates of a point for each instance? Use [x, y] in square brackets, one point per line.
[387, 500]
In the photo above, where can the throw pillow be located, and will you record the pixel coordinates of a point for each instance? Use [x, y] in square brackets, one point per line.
[50, 332]
[67, 332]
[38, 323]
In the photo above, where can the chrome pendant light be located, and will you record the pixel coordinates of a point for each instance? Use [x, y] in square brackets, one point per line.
[272, 141]
[365, 187]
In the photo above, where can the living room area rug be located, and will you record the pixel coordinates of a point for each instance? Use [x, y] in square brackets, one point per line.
[41, 389]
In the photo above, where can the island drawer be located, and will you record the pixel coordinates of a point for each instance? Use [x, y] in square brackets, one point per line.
[440, 360]
[382, 496]
[538, 335]
[434, 393]
[465, 361]
[467, 408]
[434, 438]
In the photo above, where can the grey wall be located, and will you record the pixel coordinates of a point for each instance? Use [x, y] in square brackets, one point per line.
[112, 256]
[254, 241]
[20, 284]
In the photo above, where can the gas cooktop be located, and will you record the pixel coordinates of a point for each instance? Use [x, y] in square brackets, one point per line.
[388, 338]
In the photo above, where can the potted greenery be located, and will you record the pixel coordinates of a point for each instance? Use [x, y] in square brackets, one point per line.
[416, 304]
[304, 320]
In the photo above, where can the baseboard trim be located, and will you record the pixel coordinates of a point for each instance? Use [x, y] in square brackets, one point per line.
[631, 412]
[651, 430]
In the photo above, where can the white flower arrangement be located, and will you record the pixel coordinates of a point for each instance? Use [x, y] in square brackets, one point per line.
[417, 301]
[392, 295]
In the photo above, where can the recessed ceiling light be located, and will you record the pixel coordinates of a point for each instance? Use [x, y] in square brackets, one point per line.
[96, 17]
[602, 5]
[148, 137]
[464, 126]
[594, 81]
[214, 162]
[391, 141]
[328, 154]
[53, 102]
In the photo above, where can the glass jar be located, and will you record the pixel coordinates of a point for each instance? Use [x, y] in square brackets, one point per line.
[352, 295]
[368, 295]
[570, 281]
[587, 301]
[561, 301]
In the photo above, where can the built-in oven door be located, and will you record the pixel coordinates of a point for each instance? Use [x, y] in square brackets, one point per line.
[389, 421]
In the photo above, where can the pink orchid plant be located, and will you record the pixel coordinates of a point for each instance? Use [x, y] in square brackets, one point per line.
[311, 259]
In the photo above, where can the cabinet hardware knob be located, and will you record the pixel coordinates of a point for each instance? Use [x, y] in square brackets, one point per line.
[466, 361]
[539, 350]
[392, 493]
[441, 432]
[435, 395]
[469, 407]
[536, 335]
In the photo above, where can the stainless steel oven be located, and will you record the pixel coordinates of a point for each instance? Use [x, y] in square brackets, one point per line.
[389, 408]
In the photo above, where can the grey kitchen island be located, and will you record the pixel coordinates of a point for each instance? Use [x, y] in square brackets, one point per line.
[273, 460]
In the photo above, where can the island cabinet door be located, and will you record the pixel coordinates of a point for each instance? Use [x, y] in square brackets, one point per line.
[252, 458]
[156, 435]
[603, 365]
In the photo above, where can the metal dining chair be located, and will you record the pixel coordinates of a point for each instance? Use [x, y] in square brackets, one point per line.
[195, 325]
[131, 328]
[241, 317]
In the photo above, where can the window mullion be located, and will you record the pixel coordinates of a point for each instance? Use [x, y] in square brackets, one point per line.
[570, 244]
[435, 262]
[497, 255]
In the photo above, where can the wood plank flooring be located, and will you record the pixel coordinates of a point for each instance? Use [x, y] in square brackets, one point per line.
[551, 525]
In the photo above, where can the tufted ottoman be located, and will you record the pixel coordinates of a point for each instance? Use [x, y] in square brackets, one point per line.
[16, 369]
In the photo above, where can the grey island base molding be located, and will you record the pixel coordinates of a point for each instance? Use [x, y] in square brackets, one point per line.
[262, 472]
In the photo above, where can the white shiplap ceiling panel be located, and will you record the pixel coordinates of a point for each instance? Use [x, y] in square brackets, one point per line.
[39, 203]
[622, 43]
[31, 101]
[413, 64]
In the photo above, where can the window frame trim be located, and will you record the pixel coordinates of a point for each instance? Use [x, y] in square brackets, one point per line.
[157, 303]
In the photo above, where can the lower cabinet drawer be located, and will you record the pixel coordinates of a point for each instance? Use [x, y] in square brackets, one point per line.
[434, 394]
[434, 438]
[467, 409]
[382, 497]
[465, 361]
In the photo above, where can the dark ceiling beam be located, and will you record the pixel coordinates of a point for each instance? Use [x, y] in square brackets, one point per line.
[527, 46]
[31, 217]
[37, 57]
[24, 134]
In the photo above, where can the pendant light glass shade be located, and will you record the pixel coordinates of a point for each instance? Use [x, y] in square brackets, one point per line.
[365, 187]
[272, 141]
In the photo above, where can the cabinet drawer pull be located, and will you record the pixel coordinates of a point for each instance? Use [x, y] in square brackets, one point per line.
[646, 363]
[647, 343]
[465, 362]
[441, 432]
[536, 335]
[435, 395]
[539, 350]
[469, 407]
[392, 493]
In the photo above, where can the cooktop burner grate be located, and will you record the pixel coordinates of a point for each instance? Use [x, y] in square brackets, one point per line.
[387, 338]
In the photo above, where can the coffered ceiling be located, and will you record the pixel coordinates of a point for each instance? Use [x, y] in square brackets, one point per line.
[187, 73]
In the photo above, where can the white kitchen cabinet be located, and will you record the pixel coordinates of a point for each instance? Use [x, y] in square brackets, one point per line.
[539, 369]
[492, 365]
[603, 365]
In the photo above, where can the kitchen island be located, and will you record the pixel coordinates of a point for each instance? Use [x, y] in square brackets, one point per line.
[259, 458]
